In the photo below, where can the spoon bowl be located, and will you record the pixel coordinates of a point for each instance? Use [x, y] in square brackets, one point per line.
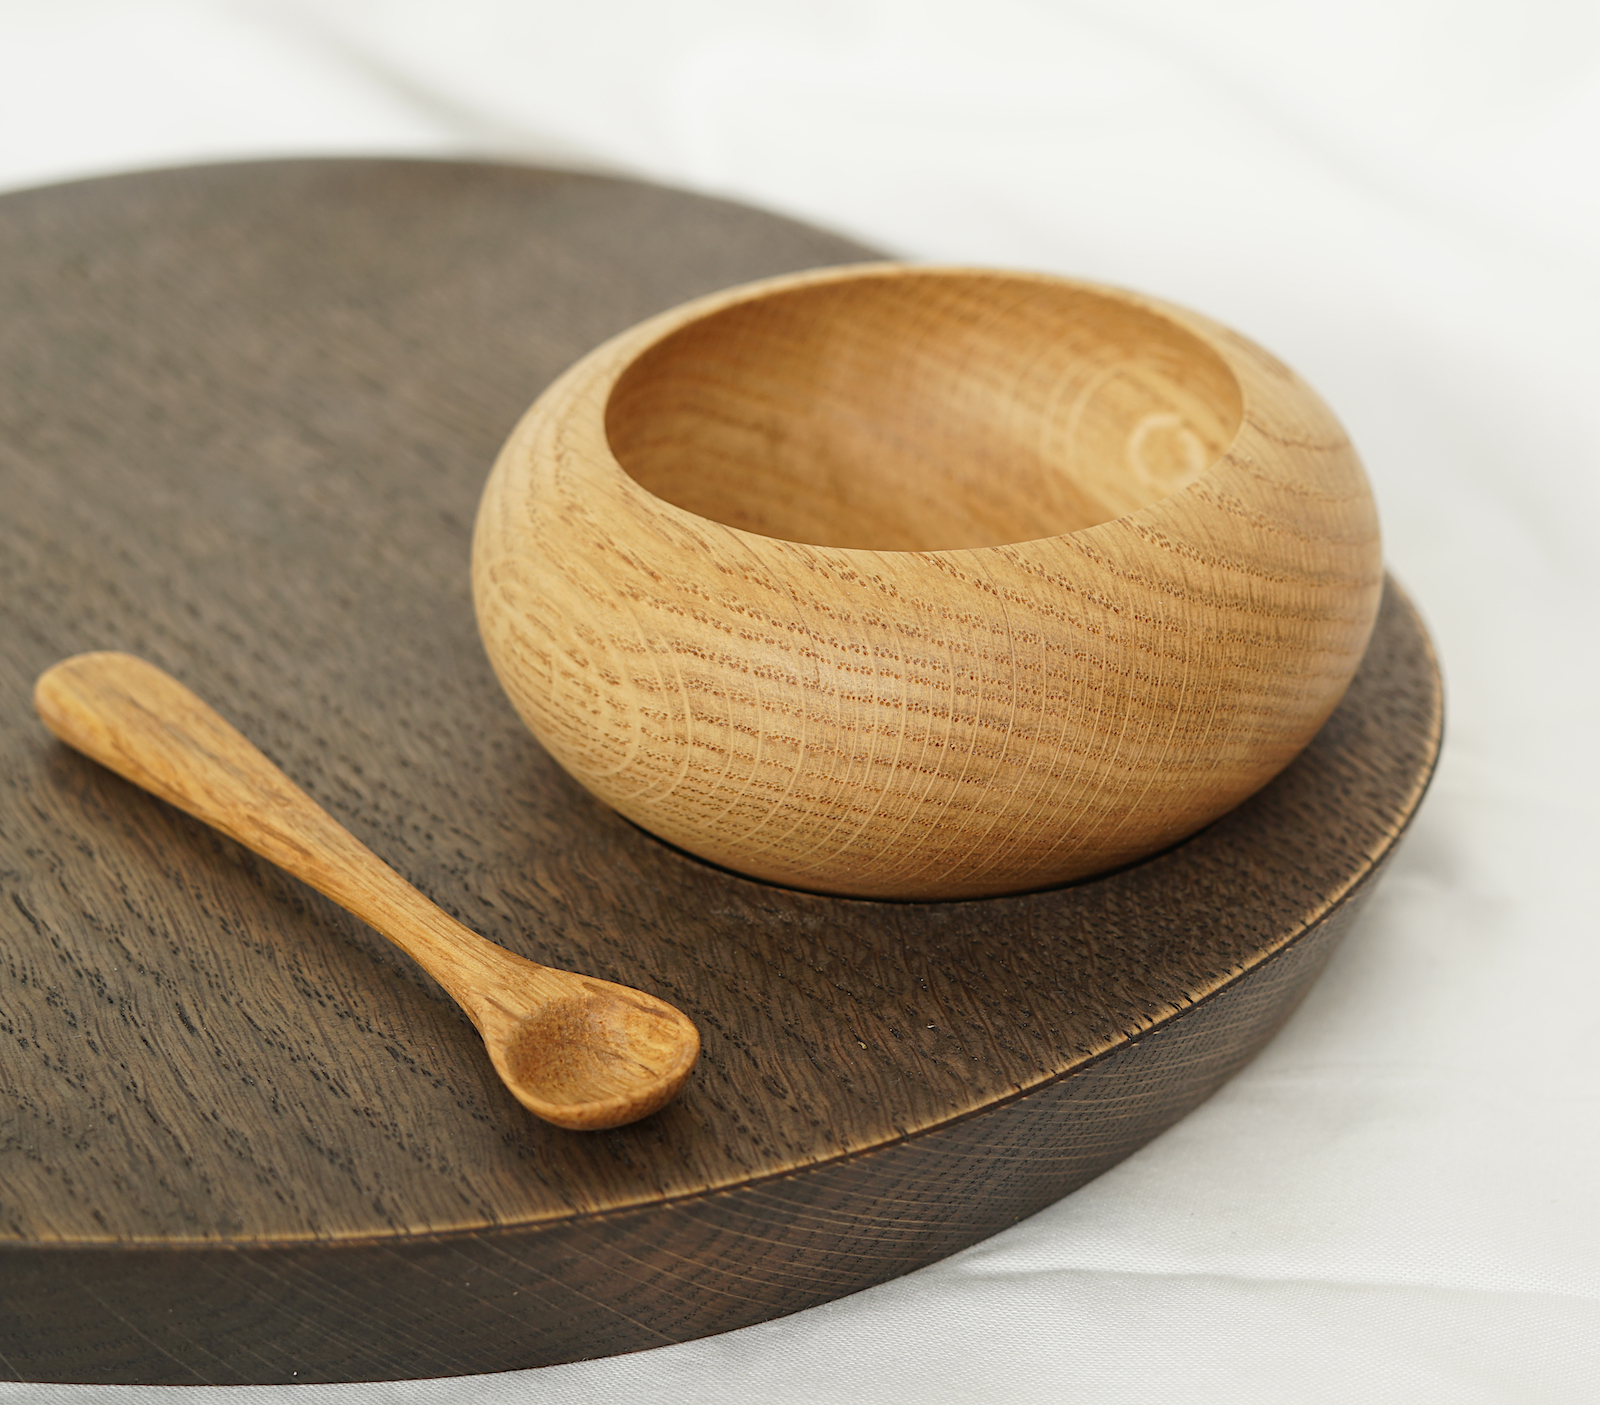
[583, 1060]
[577, 1051]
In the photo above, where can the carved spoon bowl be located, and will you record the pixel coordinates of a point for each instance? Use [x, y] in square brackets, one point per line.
[911, 582]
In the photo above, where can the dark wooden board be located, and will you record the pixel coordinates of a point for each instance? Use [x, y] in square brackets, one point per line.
[245, 414]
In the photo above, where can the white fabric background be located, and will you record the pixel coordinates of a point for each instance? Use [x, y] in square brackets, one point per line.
[1397, 1201]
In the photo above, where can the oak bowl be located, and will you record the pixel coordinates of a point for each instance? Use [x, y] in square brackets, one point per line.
[907, 582]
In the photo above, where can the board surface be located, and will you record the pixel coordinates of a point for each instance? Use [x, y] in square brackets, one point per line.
[245, 416]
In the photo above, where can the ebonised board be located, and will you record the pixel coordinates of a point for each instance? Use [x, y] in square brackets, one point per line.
[245, 415]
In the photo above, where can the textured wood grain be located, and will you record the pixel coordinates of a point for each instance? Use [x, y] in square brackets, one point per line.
[245, 418]
[926, 583]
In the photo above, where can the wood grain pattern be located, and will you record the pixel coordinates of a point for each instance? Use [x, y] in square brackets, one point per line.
[926, 583]
[581, 1053]
[245, 418]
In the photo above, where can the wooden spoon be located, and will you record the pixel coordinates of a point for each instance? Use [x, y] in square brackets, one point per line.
[578, 1052]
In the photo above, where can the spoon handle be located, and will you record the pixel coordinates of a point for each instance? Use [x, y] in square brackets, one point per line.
[136, 720]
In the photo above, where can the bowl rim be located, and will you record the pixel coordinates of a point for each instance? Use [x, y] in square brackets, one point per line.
[592, 380]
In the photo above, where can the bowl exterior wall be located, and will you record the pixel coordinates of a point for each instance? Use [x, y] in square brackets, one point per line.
[928, 724]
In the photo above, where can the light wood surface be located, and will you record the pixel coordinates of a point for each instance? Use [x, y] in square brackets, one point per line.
[582, 1053]
[926, 583]
[246, 414]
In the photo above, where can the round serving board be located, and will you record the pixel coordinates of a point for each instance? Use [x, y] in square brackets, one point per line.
[245, 416]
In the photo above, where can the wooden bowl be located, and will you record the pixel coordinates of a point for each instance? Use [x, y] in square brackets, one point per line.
[926, 583]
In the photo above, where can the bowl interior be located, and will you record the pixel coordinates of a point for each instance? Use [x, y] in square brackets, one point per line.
[922, 411]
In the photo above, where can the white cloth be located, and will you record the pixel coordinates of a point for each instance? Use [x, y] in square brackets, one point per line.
[1397, 1201]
